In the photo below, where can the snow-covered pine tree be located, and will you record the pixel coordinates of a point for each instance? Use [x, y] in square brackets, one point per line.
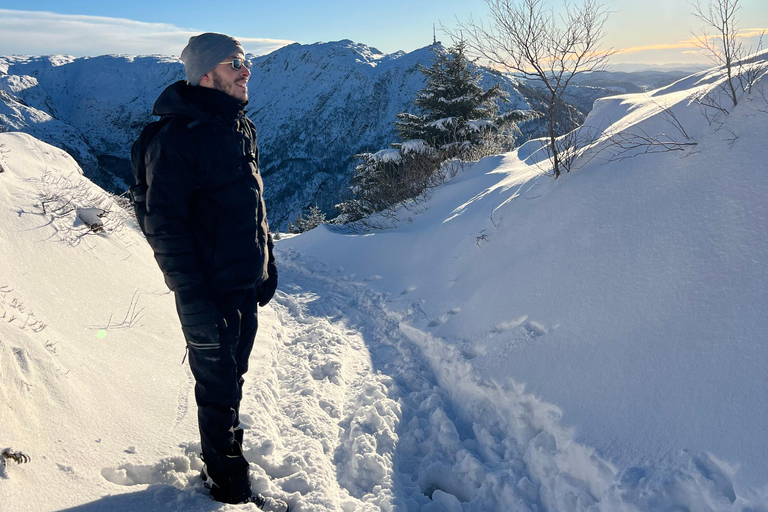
[388, 177]
[457, 119]
[314, 218]
[456, 114]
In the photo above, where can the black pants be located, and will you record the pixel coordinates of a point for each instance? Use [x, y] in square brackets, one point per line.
[218, 359]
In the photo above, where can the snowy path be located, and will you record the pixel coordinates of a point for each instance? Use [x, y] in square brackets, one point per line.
[349, 408]
[365, 412]
[379, 416]
[344, 412]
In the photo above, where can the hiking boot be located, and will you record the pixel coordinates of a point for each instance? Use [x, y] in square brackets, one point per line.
[267, 503]
[238, 494]
[206, 478]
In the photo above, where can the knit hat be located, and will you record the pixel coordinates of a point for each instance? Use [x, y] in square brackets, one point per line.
[204, 52]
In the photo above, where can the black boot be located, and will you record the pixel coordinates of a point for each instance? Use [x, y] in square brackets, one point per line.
[238, 490]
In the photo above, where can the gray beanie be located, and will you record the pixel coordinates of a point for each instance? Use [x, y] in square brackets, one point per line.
[204, 52]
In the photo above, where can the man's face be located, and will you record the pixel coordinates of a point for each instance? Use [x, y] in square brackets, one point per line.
[227, 79]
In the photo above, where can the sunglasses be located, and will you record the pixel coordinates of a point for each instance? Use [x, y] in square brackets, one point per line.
[238, 63]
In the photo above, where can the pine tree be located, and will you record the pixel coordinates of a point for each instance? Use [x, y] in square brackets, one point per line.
[457, 119]
[454, 108]
[314, 218]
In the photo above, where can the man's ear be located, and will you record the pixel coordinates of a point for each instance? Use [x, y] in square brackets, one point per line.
[207, 80]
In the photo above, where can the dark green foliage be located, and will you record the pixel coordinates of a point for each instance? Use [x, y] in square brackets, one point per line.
[314, 218]
[453, 106]
[389, 177]
[456, 119]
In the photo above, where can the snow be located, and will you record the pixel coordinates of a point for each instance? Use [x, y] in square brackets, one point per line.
[387, 155]
[479, 124]
[90, 217]
[444, 124]
[516, 343]
[414, 146]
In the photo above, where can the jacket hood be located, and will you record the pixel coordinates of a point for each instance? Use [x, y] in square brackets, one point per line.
[200, 103]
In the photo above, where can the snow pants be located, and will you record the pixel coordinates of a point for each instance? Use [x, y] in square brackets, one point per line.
[218, 358]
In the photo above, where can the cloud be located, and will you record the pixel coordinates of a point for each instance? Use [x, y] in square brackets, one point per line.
[46, 33]
[753, 32]
[689, 44]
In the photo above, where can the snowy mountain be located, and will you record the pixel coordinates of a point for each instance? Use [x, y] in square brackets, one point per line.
[92, 107]
[592, 343]
[315, 107]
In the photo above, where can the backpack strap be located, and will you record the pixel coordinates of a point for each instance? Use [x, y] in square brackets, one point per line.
[138, 192]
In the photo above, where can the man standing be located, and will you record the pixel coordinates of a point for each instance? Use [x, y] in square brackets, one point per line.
[207, 224]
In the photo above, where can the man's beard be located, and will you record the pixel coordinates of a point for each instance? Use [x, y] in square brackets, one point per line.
[230, 88]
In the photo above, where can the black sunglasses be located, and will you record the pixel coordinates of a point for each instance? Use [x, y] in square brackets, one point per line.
[238, 63]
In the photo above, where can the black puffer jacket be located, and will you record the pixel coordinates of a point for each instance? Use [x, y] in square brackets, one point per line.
[206, 220]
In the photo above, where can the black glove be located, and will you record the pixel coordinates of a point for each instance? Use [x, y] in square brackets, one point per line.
[267, 289]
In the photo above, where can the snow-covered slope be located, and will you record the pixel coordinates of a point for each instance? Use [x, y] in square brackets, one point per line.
[86, 338]
[92, 107]
[590, 343]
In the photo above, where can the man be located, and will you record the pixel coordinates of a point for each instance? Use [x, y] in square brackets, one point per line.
[207, 224]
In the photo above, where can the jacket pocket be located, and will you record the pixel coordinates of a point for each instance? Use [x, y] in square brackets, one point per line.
[200, 321]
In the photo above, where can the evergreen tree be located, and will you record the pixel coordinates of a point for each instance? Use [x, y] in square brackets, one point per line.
[454, 108]
[314, 218]
[457, 119]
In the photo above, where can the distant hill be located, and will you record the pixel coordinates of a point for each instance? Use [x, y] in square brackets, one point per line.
[628, 82]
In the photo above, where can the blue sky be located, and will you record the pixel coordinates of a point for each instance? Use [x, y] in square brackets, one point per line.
[654, 31]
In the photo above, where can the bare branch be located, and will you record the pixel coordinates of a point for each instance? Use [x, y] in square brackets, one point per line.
[526, 38]
[724, 47]
[17, 457]
[625, 145]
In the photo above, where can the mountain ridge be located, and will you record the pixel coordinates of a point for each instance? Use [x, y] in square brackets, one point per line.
[315, 106]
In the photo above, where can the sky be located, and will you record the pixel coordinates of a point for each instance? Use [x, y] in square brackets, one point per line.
[649, 32]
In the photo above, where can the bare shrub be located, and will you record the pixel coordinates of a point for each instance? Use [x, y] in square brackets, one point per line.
[69, 202]
[632, 143]
[724, 48]
[545, 48]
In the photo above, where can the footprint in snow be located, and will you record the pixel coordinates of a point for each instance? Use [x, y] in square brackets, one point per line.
[444, 318]
[408, 290]
[65, 469]
[327, 368]
[529, 327]
[175, 471]
[438, 321]
[534, 329]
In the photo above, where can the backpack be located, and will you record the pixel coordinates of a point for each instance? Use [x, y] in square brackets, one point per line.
[138, 192]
